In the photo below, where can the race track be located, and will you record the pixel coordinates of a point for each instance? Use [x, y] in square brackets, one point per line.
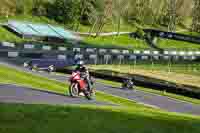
[18, 94]
[149, 99]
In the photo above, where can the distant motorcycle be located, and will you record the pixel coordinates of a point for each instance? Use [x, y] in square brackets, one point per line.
[50, 69]
[79, 85]
[128, 84]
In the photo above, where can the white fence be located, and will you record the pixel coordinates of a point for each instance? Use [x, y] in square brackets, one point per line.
[8, 44]
[46, 48]
[13, 54]
[29, 46]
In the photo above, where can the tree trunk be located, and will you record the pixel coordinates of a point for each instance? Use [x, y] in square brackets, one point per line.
[93, 26]
[119, 25]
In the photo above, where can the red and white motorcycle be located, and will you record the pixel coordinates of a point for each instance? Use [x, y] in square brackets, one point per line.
[79, 85]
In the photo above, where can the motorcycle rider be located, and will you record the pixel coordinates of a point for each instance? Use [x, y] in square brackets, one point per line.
[84, 73]
[51, 68]
[128, 83]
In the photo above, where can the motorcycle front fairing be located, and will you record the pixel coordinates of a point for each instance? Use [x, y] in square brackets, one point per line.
[77, 78]
[82, 84]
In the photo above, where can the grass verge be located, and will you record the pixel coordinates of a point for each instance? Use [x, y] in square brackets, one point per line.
[19, 118]
[125, 42]
[8, 36]
[9, 75]
[122, 42]
[180, 45]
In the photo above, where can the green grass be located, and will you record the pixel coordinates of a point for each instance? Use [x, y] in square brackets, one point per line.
[18, 118]
[8, 36]
[109, 28]
[162, 93]
[179, 45]
[9, 75]
[191, 33]
[125, 42]
[122, 42]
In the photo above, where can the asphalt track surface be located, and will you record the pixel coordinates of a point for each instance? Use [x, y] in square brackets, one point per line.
[18, 94]
[149, 99]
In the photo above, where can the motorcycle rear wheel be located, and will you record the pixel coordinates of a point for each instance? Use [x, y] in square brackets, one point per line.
[89, 95]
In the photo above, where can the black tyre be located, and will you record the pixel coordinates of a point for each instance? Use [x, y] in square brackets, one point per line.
[90, 95]
[35, 67]
[73, 90]
[130, 87]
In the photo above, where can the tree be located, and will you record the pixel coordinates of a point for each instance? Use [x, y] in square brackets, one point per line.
[172, 15]
[87, 8]
[101, 15]
[39, 8]
[65, 11]
[120, 8]
[20, 9]
[8, 8]
[105, 16]
[196, 16]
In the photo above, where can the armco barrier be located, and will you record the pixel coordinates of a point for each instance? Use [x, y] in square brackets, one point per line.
[106, 58]
[148, 82]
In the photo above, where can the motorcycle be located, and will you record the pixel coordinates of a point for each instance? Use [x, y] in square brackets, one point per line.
[50, 69]
[128, 84]
[79, 85]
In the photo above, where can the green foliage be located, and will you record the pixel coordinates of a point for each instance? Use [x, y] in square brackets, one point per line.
[121, 42]
[39, 8]
[87, 8]
[65, 11]
[9, 75]
[140, 33]
[20, 7]
[142, 12]
[7, 36]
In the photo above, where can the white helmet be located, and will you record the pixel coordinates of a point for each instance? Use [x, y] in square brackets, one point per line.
[80, 63]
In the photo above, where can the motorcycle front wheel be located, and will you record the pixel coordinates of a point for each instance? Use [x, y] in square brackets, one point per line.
[73, 90]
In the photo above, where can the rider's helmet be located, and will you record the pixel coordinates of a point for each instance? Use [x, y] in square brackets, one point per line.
[80, 63]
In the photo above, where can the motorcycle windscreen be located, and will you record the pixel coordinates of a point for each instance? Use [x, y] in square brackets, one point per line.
[76, 76]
